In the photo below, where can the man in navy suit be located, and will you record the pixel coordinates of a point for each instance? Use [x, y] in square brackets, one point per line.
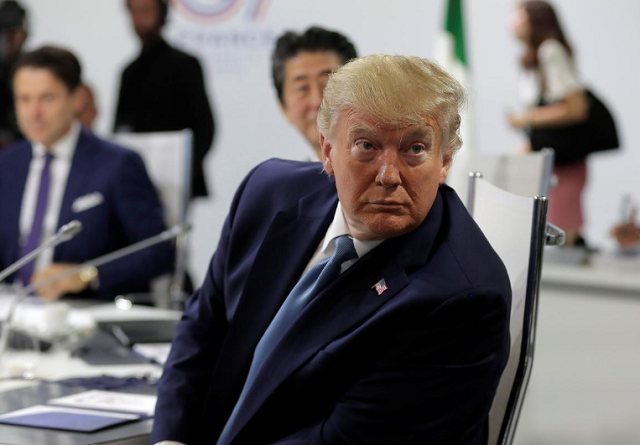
[64, 172]
[361, 306]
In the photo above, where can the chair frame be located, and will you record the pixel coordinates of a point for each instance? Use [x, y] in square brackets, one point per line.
[177, 296]
[548, 156]
[542, 233]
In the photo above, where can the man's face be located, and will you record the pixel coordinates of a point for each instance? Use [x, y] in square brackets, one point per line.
[85, 108]
[387, 178]
[44, 105]
[145, 16]
[305, 77]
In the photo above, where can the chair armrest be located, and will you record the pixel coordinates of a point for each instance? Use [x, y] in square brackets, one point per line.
[554, 235]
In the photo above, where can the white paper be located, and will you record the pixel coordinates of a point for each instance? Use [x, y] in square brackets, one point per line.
[157, 352]
[6, 297]
[39, 409]
[110, 400]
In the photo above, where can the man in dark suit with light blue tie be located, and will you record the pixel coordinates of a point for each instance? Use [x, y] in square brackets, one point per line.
[64, 172]
[358, 306]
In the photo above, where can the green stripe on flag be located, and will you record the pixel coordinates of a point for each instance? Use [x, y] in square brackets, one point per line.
[455, 27]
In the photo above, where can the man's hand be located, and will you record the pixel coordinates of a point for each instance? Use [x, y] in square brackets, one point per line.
[518, 120]
[68, 285]
[627, 235]
[525, 148]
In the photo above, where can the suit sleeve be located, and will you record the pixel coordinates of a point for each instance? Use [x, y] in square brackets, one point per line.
[200, 121]
[183, 389]
[138, 215]
[434, 384]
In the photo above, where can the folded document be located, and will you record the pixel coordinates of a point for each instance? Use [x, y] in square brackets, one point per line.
[86, 412]
[68, 419]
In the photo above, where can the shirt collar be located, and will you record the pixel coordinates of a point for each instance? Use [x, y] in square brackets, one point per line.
[339, 227]
[64, 147]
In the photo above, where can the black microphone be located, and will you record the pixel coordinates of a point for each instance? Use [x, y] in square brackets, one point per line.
[64, 234]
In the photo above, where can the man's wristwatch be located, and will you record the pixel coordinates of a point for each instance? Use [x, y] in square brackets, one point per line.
[90, 276]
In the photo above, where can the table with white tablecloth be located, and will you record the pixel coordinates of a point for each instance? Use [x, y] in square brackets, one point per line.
[67, 365]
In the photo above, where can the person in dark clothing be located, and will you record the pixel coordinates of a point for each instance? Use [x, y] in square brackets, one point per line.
[13, 33]
[163, 89]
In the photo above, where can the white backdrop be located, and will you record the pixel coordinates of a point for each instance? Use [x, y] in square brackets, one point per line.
[235, 52]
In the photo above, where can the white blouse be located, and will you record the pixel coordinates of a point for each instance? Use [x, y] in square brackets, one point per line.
[555, 78]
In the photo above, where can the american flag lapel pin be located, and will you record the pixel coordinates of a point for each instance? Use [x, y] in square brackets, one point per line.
[380, 286]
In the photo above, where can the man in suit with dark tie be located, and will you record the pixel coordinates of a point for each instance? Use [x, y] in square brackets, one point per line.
[360, 306]
[64, 172]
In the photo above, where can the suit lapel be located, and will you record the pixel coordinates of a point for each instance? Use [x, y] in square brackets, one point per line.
[291, 240]
[14, 196]
[349, 301]
[79, 173]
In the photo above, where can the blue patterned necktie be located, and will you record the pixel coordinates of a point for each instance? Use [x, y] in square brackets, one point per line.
[32, 242]
[314, 281]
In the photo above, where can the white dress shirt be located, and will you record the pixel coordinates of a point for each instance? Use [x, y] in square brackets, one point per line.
[325, 249]
[62, 151]
[337, 228]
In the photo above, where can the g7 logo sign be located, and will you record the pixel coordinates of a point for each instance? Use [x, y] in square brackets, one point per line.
[215, 11]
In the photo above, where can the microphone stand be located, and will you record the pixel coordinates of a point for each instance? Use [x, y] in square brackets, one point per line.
[115, 255]
[109, 257]
[65, 233]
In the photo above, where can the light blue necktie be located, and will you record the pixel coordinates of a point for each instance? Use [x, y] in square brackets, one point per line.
[314, 281]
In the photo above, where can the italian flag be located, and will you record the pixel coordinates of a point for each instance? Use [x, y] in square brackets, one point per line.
[452, 55]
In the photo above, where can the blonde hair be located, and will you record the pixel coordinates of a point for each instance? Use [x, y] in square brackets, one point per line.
[397, 91]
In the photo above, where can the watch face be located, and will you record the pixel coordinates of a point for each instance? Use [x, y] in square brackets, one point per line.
[90, 276]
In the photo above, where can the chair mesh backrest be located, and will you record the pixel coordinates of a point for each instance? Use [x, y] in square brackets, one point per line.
[167, 157]
[506, 220]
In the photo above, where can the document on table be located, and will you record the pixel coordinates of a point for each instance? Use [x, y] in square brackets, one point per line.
[87, 411]
[68, 419]
[156, 352]
[109, 400]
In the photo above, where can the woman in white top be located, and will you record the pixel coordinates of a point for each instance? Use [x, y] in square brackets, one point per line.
[554, 97]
